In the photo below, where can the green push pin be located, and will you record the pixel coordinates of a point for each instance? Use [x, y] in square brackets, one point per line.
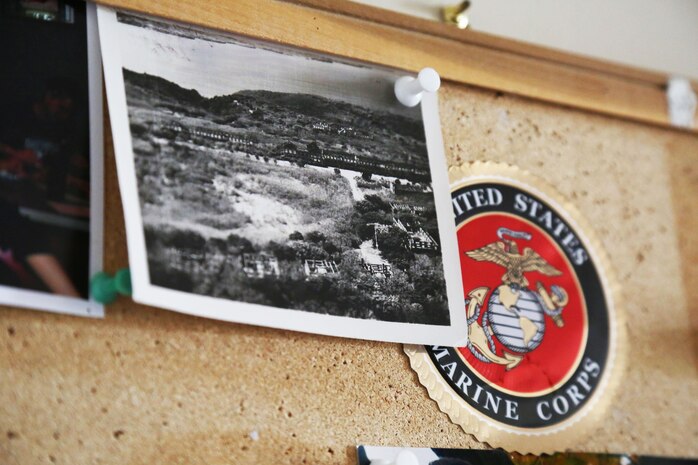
[105, 289]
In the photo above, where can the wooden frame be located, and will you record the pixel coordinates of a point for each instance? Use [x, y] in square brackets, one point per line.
[378, 36]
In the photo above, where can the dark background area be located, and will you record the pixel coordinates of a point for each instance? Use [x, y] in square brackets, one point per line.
[34, 51]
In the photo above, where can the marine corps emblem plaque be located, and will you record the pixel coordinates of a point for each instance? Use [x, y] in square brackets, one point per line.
[543, 324]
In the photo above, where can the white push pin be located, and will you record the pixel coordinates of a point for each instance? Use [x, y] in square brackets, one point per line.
[409, 90]
[404, 457]
[682, 102]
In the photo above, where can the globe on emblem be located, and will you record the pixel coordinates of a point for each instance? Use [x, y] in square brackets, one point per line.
[519, 326]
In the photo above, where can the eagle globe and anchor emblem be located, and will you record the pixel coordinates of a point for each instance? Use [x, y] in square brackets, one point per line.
[514, 314]
[540, 363]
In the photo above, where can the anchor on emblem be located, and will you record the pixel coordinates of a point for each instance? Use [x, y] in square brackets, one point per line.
[515, 314]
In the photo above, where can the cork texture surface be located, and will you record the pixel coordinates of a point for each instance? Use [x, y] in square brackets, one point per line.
[148, 386]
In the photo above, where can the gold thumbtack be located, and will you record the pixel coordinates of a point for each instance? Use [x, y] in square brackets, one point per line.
[456, 14]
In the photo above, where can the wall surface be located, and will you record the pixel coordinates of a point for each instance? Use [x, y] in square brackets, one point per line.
[147, 386]
[653, 34]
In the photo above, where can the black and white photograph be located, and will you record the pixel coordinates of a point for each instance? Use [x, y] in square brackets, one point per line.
[50, 155]
[273, 186]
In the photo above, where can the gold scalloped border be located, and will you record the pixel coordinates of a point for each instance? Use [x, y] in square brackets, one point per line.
[561, 436]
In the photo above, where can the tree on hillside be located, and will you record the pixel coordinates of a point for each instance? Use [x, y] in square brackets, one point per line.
[296, 236]
[392, 247]
[313, 148]
[315, 236]
[372, 203]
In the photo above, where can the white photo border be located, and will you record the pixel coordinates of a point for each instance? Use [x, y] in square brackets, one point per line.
[45, 301]
[454, 334]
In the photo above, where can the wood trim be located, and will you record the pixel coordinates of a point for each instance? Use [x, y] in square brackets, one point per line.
[381, 37]
[403, 21]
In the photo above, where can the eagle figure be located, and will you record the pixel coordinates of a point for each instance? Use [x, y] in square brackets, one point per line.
[506, 253]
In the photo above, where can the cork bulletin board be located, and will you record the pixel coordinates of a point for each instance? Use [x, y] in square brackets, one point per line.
[148, 386]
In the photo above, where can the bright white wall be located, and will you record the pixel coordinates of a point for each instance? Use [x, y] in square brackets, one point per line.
[660, 35]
